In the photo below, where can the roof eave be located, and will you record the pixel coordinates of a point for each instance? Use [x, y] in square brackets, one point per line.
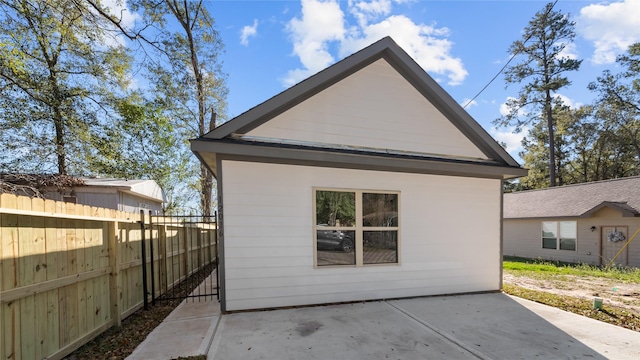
[209, 151]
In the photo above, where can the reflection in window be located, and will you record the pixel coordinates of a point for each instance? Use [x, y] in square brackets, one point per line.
[341, 239]
[549, 234]
[335, 208]
[380, 247]
[379, 210]
[335, 247]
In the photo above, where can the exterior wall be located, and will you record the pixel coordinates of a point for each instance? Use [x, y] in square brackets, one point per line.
[523, 237]
[449, 236]
[107, 200]
[376, 108]
[131, 203]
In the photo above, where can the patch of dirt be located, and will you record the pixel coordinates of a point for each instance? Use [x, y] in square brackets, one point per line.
[613, 293]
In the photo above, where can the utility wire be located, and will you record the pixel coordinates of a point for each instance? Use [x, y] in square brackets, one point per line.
[505, 65]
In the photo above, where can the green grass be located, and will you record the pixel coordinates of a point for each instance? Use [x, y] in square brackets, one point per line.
[556, 272]
[544, 269]
[611, 315]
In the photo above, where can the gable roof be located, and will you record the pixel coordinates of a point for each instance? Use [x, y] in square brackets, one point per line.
[227, 138]
[579, 200]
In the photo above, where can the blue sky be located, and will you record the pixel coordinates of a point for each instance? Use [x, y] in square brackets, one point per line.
[271, 45]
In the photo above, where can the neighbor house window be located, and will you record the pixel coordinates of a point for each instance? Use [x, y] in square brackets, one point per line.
[559, 235]
[356, 227]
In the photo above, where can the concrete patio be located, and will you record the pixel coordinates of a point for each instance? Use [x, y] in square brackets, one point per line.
[480, 326]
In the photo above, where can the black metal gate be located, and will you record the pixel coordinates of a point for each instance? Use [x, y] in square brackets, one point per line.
[181, 259]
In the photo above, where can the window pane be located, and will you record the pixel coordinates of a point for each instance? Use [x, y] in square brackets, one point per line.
[549, 229]
[568, 229]
[335, 247]
[335, 208]
[567, 244]
[549, 243]
[379, 210]
[380, 247]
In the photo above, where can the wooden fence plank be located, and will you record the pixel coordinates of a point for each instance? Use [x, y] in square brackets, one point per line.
[62, 245]
[114, 278]
[39, 250]
[9, 243]
[70, 271]
[27, 327]
[12, 337]
[51, 242]
[52, 339]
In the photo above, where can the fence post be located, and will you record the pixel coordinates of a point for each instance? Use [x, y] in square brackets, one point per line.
[153, 273]
[114, 278]
[144, 263]
[215, 237]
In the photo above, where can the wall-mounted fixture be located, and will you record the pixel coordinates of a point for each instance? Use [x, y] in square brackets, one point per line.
[593, 228]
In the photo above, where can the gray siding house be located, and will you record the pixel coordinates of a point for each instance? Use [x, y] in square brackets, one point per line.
[365, 181]
[118, 194]
[590, 223]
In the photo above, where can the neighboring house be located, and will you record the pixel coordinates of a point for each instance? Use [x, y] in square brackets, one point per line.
[365, 181]
[583, 223]
[118, 194]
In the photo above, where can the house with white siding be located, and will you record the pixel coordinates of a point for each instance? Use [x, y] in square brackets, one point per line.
[593, 223]
[365, 181]
[131, 195]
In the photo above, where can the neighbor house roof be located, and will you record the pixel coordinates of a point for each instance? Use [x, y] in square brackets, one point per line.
[227, 141]
[148, 189]
[579, 200]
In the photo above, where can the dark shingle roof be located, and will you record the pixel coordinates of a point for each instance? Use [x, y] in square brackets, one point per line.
[579, 200]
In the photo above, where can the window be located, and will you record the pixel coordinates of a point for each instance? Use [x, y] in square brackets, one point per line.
[356, 227]
[559, 235]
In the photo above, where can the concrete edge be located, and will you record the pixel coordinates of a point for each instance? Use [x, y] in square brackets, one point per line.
[215, 339]
[210, 335]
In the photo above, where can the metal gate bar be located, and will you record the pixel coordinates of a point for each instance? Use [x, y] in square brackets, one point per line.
[183, 258]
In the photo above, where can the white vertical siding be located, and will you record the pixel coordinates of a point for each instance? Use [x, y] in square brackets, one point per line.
[449, 226]
[376, 108]
[522, 237]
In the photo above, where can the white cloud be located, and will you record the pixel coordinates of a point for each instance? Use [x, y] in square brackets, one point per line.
[323, 22]
[504, 109]
[511, 139]
[611, 27]
[426, 44]
[365, 11]
[248, 31]
[570, 51]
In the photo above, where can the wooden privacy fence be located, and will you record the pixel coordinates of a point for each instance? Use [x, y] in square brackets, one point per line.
[70, 272]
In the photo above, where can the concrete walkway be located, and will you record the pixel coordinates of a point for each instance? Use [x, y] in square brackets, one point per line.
[483, 326]
[187, 331]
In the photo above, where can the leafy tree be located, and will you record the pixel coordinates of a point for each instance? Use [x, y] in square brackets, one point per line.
[544, 64]
[187, 78]
[618, 104]
[58, 72]
[571, 130]
[143, 144]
